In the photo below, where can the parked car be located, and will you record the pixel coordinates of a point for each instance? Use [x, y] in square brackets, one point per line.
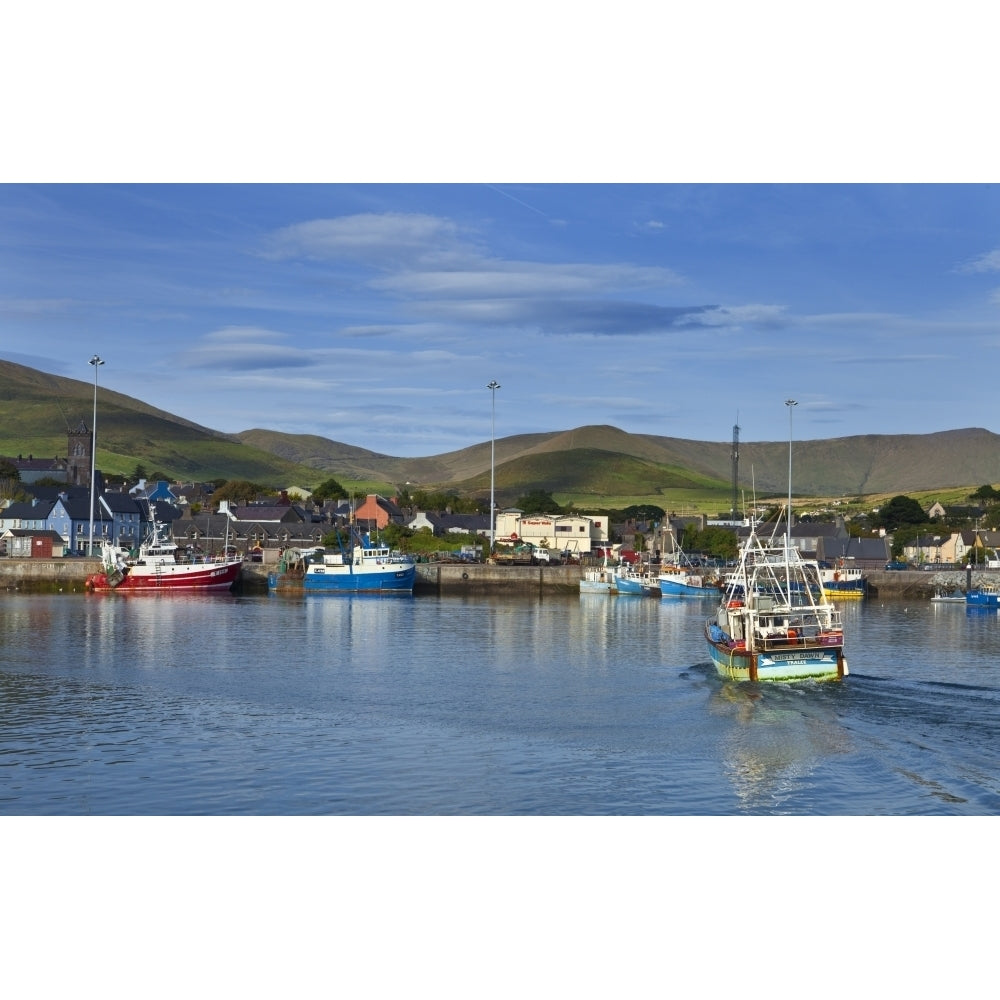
[896, 565]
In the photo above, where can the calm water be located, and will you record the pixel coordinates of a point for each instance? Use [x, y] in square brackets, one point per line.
[443, 706]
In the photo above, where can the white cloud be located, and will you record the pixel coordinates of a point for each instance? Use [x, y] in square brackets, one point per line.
[240, 334]
[738, 316]
[982, 264]
[522, 278]
[387, 236]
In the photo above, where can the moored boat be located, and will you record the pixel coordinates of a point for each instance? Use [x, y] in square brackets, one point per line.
[159, 565]
[843, 581]
[679, 581]
[774, 621]
[985, 596]
[361, 569]
[632, 580]
[948, 597]
[600, 580]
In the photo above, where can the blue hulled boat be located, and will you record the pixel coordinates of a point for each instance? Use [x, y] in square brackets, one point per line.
[986, 596]
[362, 569]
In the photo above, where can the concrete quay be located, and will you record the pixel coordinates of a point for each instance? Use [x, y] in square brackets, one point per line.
[70, 575]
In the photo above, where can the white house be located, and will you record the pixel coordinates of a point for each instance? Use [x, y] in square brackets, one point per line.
[576, 533]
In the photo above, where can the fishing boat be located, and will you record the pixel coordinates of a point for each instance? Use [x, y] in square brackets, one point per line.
[843, 581]
[680, 580]
[774, 621]
[159, 565]
[630, 579]
[985, 596]
[362, 568]
[599, 580]
[948, 597]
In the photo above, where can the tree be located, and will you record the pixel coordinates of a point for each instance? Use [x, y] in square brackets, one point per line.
[644, 512]
[8, 470]
[238, 491]
[329, 489]
[11, 489]
[721, 543]
[901, 510]
[986, 493]
[538, 502]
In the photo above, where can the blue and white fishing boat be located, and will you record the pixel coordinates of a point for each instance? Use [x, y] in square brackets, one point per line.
[985, 596]
[680, 581]
[774, 622]
[628, 580]
[843, 581]
[636, 579]
[361, 569]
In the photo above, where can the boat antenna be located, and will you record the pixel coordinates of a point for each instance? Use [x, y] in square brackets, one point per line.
[791, 404]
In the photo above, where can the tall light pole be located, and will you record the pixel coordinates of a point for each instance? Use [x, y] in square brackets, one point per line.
[96, 362]
[493, 386]
[791, 404]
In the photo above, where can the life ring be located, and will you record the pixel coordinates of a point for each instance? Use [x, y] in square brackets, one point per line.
[836, 576]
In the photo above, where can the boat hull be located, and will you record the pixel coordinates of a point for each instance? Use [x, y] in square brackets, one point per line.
[797, 662]
[628, 585]
[847, 590]
[167, 577]
[386, 581]
[673, 588]
[978, 599]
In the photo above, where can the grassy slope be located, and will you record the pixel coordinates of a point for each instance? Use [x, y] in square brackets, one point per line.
[587, 464]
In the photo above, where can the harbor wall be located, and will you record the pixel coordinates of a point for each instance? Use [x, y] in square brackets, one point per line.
[56, 575]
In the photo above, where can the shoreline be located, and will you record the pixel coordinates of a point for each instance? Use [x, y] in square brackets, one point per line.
[68, 575]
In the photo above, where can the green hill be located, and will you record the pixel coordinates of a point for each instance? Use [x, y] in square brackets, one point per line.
[37, 409]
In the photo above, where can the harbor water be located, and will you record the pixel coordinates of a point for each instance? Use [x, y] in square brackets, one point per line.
[435, 706]
[270, 796]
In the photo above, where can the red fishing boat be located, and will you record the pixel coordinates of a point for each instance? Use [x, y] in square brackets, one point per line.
[159, 565]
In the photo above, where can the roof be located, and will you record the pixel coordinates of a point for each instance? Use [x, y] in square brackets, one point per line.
[41, 533]
[279, 513]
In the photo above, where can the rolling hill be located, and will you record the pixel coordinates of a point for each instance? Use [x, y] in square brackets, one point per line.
[36, 410]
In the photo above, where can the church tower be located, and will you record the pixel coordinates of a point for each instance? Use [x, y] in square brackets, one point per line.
[78, 458]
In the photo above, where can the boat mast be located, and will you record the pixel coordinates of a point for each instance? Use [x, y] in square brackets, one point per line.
[791, 404]
[736, 467]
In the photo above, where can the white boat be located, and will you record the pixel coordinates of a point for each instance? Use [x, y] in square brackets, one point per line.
[774, 621]
[600, 580]
[948, 597]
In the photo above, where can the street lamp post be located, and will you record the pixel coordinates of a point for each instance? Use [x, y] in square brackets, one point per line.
[96, 362]
[493, 386]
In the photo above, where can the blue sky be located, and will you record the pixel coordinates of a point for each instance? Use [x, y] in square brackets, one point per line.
[485, 213]
[377, 314]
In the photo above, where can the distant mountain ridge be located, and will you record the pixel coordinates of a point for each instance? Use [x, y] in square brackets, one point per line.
[36, 409]
[865, 464]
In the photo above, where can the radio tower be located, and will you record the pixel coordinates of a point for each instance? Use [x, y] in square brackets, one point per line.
[736, 468]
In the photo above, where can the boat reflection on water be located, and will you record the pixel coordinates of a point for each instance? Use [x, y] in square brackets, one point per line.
[777, 739]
